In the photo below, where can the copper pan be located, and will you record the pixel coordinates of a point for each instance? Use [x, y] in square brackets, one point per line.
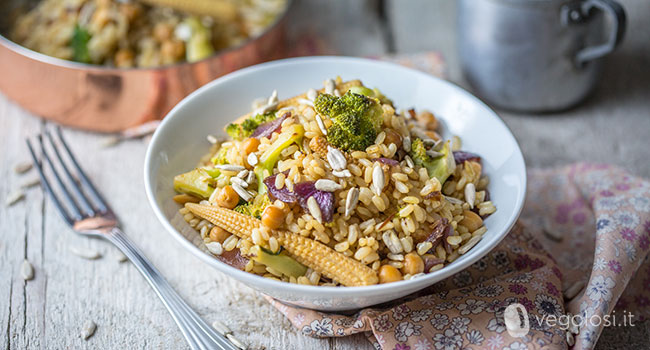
[110, 99]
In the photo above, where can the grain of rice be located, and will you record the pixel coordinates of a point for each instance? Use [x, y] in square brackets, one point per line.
[436, 267]
[314, 209]
[245, 195]
[327, 185]
[22, 167]
[230, 167]
[341, 247]
[274, 246]
[215, 248]
[453, 256]
[184, 211]
[407, 244]
[401, 187]
[380, 138]
[424, 247]
[469, 244]
[479, 231]
[406, 211]
[342, 173]
[379, 203]
[279, 181]
[353, 233]
[230, 243]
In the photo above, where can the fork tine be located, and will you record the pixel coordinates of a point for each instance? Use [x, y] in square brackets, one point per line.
[101, 203]
[75, 186]
[46, 185]
[74, 208]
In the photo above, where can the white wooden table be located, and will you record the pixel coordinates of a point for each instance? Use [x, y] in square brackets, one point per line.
[49, 311]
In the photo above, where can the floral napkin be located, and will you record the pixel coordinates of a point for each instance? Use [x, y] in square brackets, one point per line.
[584, 233]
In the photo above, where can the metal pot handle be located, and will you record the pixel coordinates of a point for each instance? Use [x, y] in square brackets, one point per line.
[617, 13]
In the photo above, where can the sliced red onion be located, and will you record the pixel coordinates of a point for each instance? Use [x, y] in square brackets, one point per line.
[266, 129]
[387, 161]
[462, 156]
[283, 193]
[325, 200]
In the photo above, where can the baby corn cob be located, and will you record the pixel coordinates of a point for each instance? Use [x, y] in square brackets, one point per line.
[315, 255]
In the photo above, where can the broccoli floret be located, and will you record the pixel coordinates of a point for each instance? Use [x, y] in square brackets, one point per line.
[440, 167]
[356, 119]
[255, 208]
[248, 126]
[271, 155]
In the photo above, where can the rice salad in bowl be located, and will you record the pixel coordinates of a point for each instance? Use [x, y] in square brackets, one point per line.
[335, 187]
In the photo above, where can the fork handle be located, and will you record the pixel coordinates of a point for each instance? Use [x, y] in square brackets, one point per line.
[198, 334]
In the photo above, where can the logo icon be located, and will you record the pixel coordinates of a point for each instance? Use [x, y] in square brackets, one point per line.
[516, 319]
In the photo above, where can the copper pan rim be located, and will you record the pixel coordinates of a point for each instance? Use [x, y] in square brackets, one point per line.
[35, 55]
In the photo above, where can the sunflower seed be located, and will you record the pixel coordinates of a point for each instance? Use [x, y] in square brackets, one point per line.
[378, 179]
[22, 167]
[242, 174]
[573, 290]
[570, 339]
[470, 194]
[453, 200]
[240, 182]
[409, 161]
[314, 209]
[456, 143]
[85, 253]
[392, 242]
[574, 327]
[215, 248]
[552, 234]
[329, 86]
[304, 101]
[14, 197]
[265, 108]
[273, 98]
[251, 177]
[212, 139]
[236, 342]
[27, 270]
[312, 94]
[245, 195]
[342, 173]
[321, 125]
[327, 185]
[351, 200]
[221, 327]
[434, 154]
[120, 257]
[88, 330]
[230, 167]
[31, 183]
[337, 93]
[406, 144]
[252, 159]
[336, 158]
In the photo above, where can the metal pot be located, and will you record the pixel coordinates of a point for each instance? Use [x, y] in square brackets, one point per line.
[536, 55]
[111, 99]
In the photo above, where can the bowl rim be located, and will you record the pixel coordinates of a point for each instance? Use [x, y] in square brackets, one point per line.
[59, 62]
[308, 290]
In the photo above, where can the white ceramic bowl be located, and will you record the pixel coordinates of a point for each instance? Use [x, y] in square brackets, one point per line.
[180, 141]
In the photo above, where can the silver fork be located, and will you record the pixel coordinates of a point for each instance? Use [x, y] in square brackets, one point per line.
[87, 213]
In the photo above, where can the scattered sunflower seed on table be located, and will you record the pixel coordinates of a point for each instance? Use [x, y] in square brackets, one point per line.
[27, 270]
[14, 197]
[85, 253]
[22, 167]
[88, 330]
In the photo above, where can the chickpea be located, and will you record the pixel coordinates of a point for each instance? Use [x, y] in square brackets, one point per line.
[250, 145]
[130, 11]
[389, 274]
[124, 58]
[413, 264]
[227, 197]
[273, 217]
[217, 234]
[427, 119]
[162, 32]
[172, 50]
[471, 220]
[393, 137]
